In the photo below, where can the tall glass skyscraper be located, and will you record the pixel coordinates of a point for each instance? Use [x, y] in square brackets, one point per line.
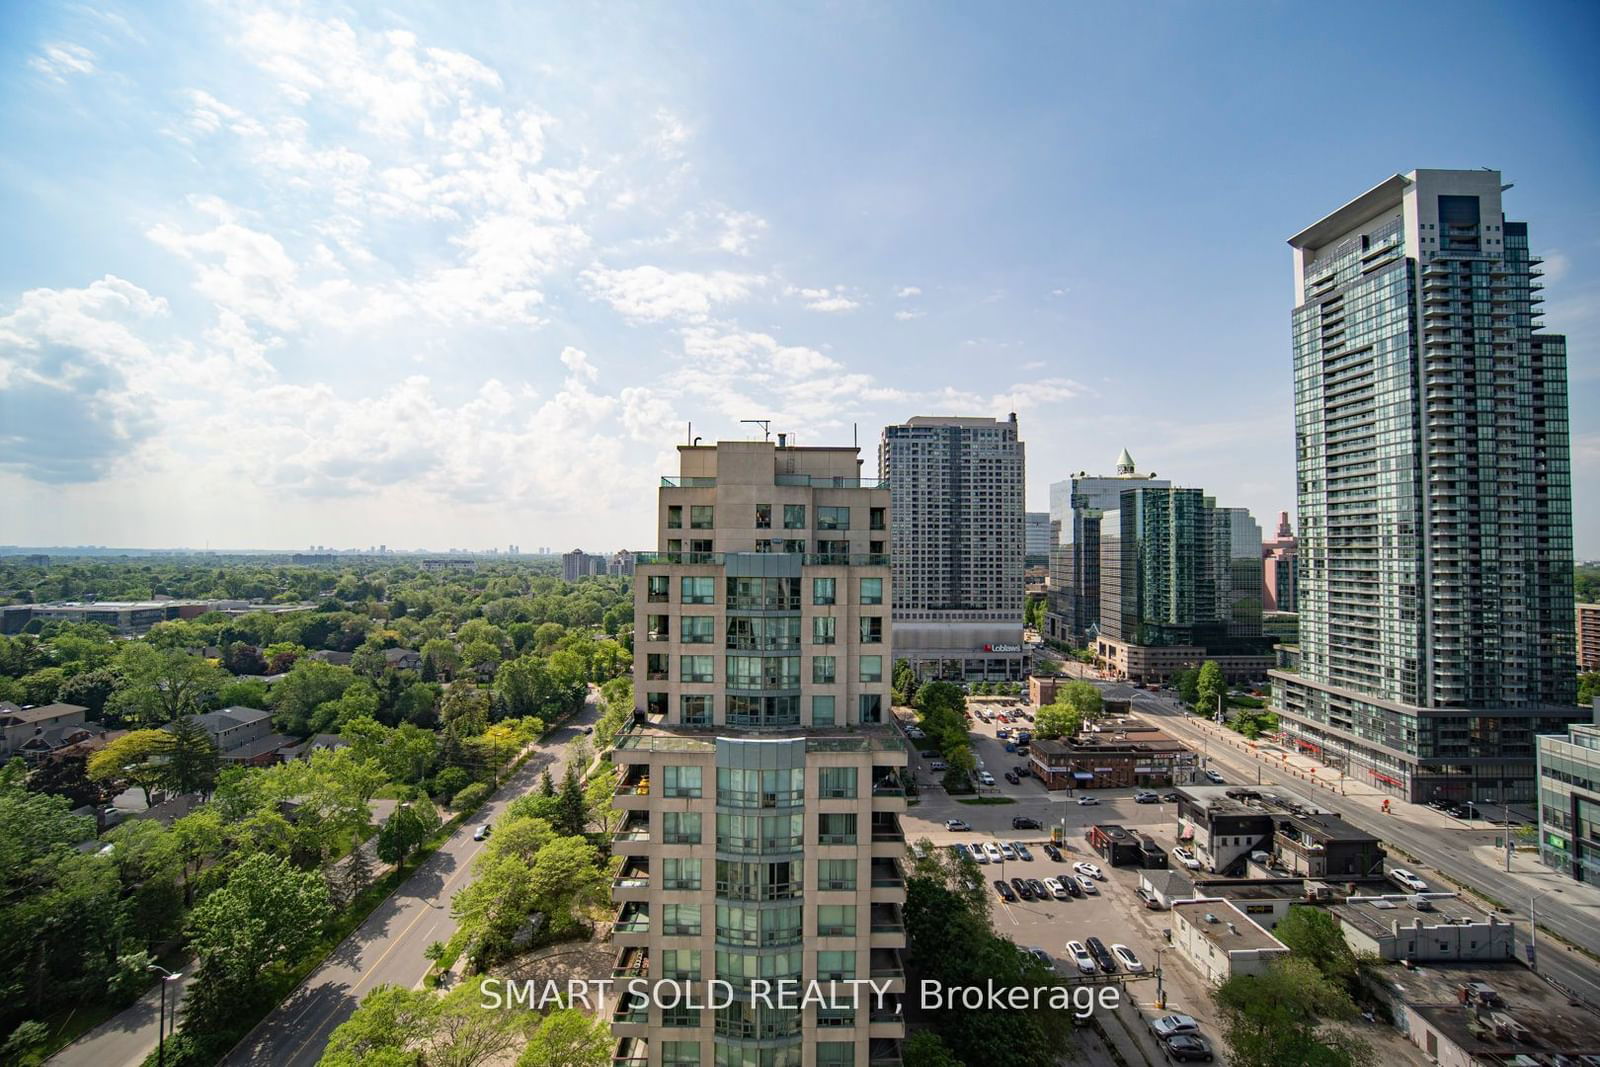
[1434, 494]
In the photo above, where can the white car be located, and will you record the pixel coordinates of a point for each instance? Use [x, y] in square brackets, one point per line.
[1125, 956]
[1185, 857]
[915, 733]
[1080, 956]
[1090, 869]
[1089, 888]
[1168, 1025]
[1056, 889]
[1087, 800]
[1406, 880]
[481, 832]
[992, 850]
[1007, 851]
[985, 778]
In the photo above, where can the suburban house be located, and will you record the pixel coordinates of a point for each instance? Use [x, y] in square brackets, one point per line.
[402, 659]
[243, 735]
[316, 743]
[338, 659]
[1222, 941]
[57, 742]
[22, 725]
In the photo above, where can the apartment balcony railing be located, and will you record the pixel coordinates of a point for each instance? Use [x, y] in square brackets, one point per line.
[680, 482]
[847, 559]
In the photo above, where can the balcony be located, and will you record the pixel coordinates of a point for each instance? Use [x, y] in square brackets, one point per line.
[885, 964]
[888, 883]
[633, 836]
[888, 1021]
[670, 482]
[846, 559]
[635, 781]
[631, 1052]
[633, 880]
[678, 559]
[888, 839]
[632, 962]
[888, 926]
[632, 924]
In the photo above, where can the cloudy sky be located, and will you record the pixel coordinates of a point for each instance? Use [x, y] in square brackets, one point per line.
[281, 274]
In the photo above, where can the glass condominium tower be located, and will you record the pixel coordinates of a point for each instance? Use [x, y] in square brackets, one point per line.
[761, 780]
[1435, 498]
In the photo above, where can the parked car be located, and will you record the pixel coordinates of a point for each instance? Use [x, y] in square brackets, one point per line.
[979, 855]
[1042, 956]
[1039, 889]
[1072, 886]
[1053, 852]
[985, 778]
[1406, 880]
[1010, 747]
[1185, 857]
[481, 832]
[1011, 776]
[1022, 852]
[1024, 822]
[1126, 957]
[1088, 885]
[1173, 1024]
[957, 824]
[1002, 733]
[1186, 1048]
[1086, 800]
[1102, 955]
[960, 852]
[1170, 798]
[1006, 893]
[1007, 851]
[1024, 890]
[588, 730]
[928, 754]
[1465, 811]
[992, 850]
[1056, 889]
[1149, 899]
[915, 733]
[1091, 870]
[938, 765]
[1146, 797]
[1080, 956]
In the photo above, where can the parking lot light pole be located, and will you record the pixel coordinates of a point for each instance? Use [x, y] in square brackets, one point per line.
[1161, 993]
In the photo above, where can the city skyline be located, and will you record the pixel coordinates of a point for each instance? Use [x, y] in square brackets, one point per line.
[291, 257]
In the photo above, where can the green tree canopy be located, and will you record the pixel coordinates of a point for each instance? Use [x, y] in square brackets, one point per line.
[1276, 1018]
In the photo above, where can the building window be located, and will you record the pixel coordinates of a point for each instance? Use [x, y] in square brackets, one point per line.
[835, 1053]
[833, 518]
[681, 782]
[870, 708]
[679, 1016]
[680, 1054]
[659, 589]
[681, 920]
[794, 516]
[871, 629]
[680, 827]
[794, 545]
[871, 591]
[680, 874]
[695, 710]
[822, 711]
[655, 667]
[698, 630]
[836, 920]
[824, 629]
[655, 703]
[700, 517]
[837, 781]
[877, 518]
[695, 668]
[674, 516]
[702, 590]
[871, 668]
[763, 516]
[835, 967]
[824, 590]
[680, 964]
[822, 670]
[836, 828]
[657, 627]
[836, 874]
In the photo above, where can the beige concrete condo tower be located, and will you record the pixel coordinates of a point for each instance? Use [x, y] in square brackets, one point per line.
[761, 778]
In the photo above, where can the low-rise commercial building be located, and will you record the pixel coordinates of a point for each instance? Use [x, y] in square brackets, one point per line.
[1133, 756]
[1485, 1015]
[1569, 801]
[129, 618]
[1229, 825]
[1423, 928]
[1324, 846]
[1222, 941]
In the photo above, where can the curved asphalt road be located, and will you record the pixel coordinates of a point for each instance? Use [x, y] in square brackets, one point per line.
[388, 948]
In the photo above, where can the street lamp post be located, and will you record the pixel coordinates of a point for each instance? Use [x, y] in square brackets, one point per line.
[1161, 993]
[161, 1018]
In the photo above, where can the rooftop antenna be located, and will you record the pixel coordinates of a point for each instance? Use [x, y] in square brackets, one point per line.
[766, 427]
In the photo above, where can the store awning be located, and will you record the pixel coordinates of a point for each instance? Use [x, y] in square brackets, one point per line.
[1083, 776]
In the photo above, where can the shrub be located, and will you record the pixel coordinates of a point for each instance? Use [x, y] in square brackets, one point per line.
[470, 797]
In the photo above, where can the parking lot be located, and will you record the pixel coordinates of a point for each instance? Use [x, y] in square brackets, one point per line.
[1115, 915]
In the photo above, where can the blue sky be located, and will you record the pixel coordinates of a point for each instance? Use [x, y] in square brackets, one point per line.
[284, 274]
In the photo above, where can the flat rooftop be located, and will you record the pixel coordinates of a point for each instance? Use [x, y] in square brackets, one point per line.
[1375, 915]
[1252, 888]
[1221, 799]
[1232, 931]
[1551, 1025]
[1330, 827]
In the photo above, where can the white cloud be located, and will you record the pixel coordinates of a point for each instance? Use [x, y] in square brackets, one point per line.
[828, 300]
[907, 291]
[577, 362]
[907, 316]
[60, 61]
[651, 294]
[739, 229]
